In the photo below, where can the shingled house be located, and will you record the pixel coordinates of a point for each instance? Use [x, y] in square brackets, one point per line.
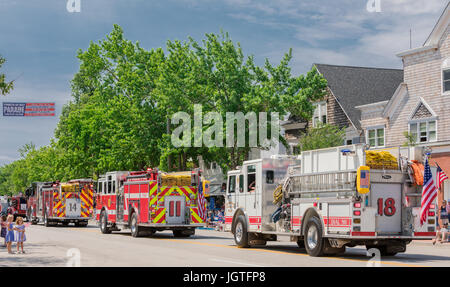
[348, 87]
[421, 102]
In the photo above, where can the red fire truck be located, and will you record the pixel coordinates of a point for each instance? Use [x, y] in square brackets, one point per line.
[17, 206]
[149, 201]
[54, 202]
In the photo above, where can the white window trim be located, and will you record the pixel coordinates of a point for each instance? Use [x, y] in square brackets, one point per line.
[426, 121]
[317, 106]
[376, 128]
[445, 66]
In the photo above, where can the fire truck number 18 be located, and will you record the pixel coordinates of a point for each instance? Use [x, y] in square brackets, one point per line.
[386, 207]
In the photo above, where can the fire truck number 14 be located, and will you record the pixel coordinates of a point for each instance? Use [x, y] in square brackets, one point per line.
[73, 207]
[388, 208]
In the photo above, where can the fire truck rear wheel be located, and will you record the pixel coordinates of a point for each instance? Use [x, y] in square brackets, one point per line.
[314, 242]
[104, 223]
[241, 233]
[301, 243]
[136, 231]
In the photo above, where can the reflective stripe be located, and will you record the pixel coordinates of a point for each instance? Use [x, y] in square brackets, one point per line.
[137, 195]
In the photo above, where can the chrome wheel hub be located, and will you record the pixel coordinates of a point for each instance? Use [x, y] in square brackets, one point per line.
[238, 232]
[312, 238]
[133, 225]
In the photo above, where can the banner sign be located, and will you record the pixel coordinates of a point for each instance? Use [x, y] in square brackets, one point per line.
[28, 109]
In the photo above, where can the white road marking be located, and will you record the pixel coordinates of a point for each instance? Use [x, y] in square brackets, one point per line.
[235, 262]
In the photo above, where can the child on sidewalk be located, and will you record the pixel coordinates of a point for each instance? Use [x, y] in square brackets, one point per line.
[9, 232]
[20, 234]
[3, 226]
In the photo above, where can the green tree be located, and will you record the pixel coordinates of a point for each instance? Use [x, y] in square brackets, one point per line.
[411, 139]
[322, 136]
[217, 75]
[5, 86]
[114, 121]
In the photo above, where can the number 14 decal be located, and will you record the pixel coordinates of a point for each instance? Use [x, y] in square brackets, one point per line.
[388, 208]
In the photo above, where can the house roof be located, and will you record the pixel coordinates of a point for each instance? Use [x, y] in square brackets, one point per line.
[356, 86]
[435, 36]
[440, 27]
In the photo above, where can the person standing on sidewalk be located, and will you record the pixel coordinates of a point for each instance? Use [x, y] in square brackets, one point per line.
[3, 225]
[443, 213]
[10, 232]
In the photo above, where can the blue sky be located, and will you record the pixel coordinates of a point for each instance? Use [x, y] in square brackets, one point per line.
[40, 39]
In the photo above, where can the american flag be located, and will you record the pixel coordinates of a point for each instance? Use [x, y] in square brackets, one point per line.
[441, 176]
[429, 192]
[201, 201]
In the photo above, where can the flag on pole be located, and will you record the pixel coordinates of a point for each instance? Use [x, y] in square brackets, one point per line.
[429, 192]
[201, 201]
[441, 176]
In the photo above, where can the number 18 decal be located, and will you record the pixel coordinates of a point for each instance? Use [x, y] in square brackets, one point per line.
[388, 208]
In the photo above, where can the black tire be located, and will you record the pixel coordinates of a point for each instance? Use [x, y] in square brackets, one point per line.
[82, 224]
[65, 223]
[136, 231]
[241, 232]
[384, 250]
[301, 243]
[104, 223]
[29, 217]
[313, 240]
[46, 222]
[183, 233]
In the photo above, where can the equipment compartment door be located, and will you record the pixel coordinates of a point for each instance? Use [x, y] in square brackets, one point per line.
[73, 207]
[175, 209]
[386, 199]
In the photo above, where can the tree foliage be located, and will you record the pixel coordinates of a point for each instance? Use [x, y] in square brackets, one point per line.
[5, 86]
[322, 136]
[123, 98]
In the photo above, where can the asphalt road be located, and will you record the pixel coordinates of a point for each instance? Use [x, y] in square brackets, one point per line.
[62, 246]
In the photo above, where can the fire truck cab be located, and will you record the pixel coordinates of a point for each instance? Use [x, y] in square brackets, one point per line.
[148, 201]
[54, 202]
[327, 200]
[17, 206]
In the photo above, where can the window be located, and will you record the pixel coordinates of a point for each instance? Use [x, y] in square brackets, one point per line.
[446, 80]
[251, 178]
[424, 131]
[100, 187]
[241, 183]
[269, 177]
[320, 114]
[232, 184]
[375, 137]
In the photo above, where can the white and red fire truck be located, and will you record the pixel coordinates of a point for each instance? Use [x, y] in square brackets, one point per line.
[327, 200]
[145, 203]
[54, 202]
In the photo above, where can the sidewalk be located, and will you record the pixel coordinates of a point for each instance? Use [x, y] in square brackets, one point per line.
[430, 243]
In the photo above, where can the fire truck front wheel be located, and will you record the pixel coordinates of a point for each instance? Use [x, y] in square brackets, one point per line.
[314, 242]
[241, 233]
[104, 223]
